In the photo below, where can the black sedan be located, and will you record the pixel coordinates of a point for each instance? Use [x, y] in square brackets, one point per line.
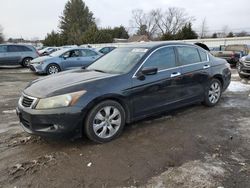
[126, 85]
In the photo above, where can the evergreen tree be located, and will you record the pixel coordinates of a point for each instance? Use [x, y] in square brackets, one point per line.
[186, 33]
[120, 32]
[76, 19]
[214, 35]
[94, 35]
[53, 39]
[230, 34]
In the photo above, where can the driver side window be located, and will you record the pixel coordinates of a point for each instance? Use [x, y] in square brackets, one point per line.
[163, 58]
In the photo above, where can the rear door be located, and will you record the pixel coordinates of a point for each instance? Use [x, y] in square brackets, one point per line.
[159, 91]
[195, 71]
[88, 57]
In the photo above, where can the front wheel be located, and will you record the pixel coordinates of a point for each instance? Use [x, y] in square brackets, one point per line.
[53, 69]
[213, 93]
[105, 121]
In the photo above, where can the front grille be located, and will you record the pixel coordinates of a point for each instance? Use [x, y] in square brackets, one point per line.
[247, 63]
[27, 101]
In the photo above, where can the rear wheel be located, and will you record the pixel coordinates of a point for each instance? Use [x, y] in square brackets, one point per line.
[213, 93]
[105, 121]
[52, 69]
[26, 61]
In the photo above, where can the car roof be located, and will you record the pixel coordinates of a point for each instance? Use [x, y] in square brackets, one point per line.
[151, 45]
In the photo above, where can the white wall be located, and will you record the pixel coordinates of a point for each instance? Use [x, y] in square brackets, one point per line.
[209, 42]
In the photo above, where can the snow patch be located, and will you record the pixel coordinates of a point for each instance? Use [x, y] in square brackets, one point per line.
[191, 174]
[238, 87]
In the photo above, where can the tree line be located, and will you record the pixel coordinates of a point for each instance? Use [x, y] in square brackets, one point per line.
[78, 26]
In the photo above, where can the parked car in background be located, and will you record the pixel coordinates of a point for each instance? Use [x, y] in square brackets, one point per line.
[106, 50]
[64, 59]
[232, 53]
[243, 67]
[128, 84]
[15, 54]
[48, 50]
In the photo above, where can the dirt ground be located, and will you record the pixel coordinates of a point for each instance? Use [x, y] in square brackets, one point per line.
[195, 146]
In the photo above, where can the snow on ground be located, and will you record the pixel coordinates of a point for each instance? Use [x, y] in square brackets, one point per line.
[236, 86]
[193, 174]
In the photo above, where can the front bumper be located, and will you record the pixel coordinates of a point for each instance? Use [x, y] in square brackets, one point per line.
[243, 69]
[54, 122]
[38, 68]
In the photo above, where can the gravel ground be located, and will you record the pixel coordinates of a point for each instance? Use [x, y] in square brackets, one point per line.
[195, 146]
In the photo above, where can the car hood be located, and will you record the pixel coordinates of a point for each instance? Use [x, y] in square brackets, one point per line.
[246, 58]
[40, 59]
[63, 82]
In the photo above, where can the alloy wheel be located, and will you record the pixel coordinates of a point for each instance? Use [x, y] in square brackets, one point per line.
[53, 69]
[107, 122]
[214, 92]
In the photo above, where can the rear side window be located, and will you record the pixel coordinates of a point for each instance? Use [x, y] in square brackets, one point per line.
[3, 49]
[163, 58]
[88, 53]
[188, 55]
[24, 49]
[203, 55]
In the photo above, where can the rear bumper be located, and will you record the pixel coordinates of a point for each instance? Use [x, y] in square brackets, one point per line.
[51, 123]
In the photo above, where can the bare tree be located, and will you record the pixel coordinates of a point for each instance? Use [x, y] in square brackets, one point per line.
[171, 20]
[144, 22]
[204, 29]
[224, 31]
[1, 35]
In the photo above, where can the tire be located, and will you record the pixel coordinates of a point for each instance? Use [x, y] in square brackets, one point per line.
[104, 117]
[52, 69]
[26, 61]
[213, 93]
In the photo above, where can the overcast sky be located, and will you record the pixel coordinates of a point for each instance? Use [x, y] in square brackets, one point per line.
[35, 18]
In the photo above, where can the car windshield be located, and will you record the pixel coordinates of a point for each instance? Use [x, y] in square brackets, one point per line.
[58, 53]
[119, 61]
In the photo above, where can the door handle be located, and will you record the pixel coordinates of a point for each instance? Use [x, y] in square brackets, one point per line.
[206, 66]
[175, 74]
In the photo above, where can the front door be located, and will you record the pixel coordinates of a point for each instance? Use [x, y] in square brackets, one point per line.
[72, 59]
[159, 91]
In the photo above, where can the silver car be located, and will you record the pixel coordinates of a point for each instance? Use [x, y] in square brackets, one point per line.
[64, 59]
[14, 54]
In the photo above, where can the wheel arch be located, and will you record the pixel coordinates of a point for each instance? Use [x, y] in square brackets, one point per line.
[220, 78]
[115, 97]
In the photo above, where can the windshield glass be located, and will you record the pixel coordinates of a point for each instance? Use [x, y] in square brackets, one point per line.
[58, 53]
[120, 60]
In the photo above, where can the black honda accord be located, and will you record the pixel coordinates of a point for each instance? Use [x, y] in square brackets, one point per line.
[126, 85]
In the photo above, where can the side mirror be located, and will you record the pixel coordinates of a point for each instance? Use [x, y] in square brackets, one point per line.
[149, 70]
[146, 71]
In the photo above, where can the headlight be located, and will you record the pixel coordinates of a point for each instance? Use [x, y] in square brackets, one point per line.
[60, 100]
